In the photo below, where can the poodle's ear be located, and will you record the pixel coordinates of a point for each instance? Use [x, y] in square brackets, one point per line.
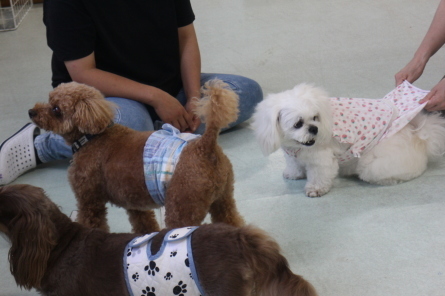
[266, 125]
[24, 210]
[92, 115]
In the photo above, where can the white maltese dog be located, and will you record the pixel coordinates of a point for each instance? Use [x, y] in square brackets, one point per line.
[383, 141]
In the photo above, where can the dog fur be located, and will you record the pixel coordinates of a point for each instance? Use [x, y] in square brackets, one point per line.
[300, 120]
[109, 168]
[59, 257]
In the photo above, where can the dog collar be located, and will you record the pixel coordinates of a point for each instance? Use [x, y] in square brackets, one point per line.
[84, 140]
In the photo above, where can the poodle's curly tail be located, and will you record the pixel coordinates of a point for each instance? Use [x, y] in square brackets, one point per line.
[270, 269]
[217, 108]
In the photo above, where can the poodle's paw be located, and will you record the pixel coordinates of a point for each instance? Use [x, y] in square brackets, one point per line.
[293, 174]
[316, 191]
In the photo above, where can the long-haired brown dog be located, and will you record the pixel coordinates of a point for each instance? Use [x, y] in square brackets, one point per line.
[56, 256]
[109, 167]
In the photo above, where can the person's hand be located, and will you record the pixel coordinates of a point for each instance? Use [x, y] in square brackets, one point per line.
[435, 98]
[171, 111]
[411, 72]
[190, 106]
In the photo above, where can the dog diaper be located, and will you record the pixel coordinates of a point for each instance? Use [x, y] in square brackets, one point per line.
[161, 154]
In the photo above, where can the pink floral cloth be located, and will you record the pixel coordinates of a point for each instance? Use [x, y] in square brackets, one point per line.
[365, 122]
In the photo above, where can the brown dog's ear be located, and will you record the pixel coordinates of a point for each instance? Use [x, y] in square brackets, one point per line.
[32, 233]
[93, 115]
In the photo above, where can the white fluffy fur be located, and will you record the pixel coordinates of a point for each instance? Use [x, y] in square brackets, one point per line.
[300, 120]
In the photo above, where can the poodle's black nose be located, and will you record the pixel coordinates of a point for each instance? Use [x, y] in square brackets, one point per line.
[32, 113]
[313, 129]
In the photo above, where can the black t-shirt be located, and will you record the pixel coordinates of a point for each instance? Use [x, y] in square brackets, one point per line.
[136, 39]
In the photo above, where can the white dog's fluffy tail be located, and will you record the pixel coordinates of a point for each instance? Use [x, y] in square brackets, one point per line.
[430, 127]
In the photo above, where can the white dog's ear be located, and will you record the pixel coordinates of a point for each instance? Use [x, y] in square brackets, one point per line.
[266, 125]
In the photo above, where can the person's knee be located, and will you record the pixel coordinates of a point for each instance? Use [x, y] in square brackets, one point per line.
[250, 94]
[249, 91]
[243, 86]
[256, 91]
[132, 114]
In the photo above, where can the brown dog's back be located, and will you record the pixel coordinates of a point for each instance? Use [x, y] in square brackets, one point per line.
[244, 261]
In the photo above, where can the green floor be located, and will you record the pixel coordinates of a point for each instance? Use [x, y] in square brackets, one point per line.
[358, 240]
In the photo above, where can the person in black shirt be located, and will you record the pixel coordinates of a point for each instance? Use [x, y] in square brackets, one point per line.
[143, 55]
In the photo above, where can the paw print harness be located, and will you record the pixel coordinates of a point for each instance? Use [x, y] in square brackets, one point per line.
[171, 271]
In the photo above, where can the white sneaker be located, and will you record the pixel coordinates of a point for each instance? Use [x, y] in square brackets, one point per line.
[17, 154]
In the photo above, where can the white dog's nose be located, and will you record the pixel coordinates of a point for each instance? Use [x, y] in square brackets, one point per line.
[313, 129]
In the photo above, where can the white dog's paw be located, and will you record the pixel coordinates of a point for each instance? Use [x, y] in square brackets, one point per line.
[314, 191]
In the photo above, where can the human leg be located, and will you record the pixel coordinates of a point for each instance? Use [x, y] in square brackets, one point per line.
[132, 114]
[248, 90]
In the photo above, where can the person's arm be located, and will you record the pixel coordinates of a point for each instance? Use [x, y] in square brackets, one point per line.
[190, 68]
[435, 98]
[431, 43]
[167, 107]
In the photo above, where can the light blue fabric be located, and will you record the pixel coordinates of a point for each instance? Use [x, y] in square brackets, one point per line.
[161, 154]
[135, 115]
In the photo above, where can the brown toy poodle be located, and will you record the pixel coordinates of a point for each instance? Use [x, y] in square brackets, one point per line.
[109, 165]
[56, 256]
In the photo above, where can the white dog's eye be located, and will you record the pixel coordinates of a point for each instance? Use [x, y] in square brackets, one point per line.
[299, 124]
[316, 118]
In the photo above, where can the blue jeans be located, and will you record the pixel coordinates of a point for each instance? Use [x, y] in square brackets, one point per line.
[135, 115]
